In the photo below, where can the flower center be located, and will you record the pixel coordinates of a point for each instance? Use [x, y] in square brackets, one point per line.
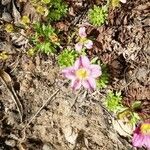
[83, 39]
[145, 128]
[82, 73]
[54, 38]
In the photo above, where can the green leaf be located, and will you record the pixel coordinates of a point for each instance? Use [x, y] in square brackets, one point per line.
[97, 16]
[58, 10]
[113, 101]
[136, 105]
[67, 58]
[41, 38]
[103, 80]
[46, 1]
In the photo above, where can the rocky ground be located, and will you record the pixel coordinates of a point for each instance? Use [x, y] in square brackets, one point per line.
[53, 116]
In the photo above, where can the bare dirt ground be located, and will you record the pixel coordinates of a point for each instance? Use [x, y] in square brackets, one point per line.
[68, 120]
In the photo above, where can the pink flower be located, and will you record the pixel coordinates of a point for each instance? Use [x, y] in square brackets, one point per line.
[82, 74]
[78, 47]
[83, 42]
[141, 136]
[82, 32]
[88, 44]
[123, 1]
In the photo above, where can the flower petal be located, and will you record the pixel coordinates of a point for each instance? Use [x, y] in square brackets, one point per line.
[84, 61]
[147, 141]
[86, 84]
[82, 32]
[78, 47]
[95, 71]
[92, 83]
[69, 72]
[75, 84]
[123, 1]
[88, 44]
[137, 140]
[77, 64]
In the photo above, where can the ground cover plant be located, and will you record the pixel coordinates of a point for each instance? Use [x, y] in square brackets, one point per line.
[44, 38]
[74, 75]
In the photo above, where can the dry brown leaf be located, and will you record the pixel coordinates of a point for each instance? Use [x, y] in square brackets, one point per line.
[29, 10]
[5, 77]
[124, 129]
[15, 13]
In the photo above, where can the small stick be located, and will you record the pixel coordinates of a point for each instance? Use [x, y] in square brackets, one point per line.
[31, 119]
[7, 81]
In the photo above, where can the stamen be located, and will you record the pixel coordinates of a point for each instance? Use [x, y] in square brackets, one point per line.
[82, 73]
[145, 128]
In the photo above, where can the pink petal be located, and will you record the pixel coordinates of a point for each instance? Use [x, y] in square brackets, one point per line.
[147, 142]
[123, 1]
[78, 47]
[92, 83]
[88, 44]
[137, 140]
[69, 72]
[77, 64]
[86, 84]
[143, 141]
[75, 84]
[147, 121]
[82, 32]
[95, 71]
[84, 61]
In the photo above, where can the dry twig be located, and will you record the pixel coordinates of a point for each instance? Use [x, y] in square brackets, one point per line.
[46, 102]
[8, 82]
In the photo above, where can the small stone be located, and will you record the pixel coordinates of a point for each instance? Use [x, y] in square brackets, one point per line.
[10, 142]
[5, 2]
[47, 147]
[142, 74]
[70, 134]
[6, 17]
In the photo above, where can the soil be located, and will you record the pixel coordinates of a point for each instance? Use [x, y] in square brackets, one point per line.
[69, 120]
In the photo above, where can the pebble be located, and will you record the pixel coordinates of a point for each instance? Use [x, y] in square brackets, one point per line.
[10, 142]
[47, 147]
[6, 17]
[5, 2]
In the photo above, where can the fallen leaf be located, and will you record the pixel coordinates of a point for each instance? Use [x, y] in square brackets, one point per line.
[124, 129]
[9, 28]
[15, 13]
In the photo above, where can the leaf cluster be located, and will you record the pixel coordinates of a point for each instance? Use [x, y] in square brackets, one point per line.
[115, 3]
[97, 16]
[54, 10]
[67, 58]
[113, 101]
[45, 38]
[129, 116]
[57, 10]
[103, 80]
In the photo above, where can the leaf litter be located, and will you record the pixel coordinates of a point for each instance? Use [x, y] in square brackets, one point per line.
[73, 120]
